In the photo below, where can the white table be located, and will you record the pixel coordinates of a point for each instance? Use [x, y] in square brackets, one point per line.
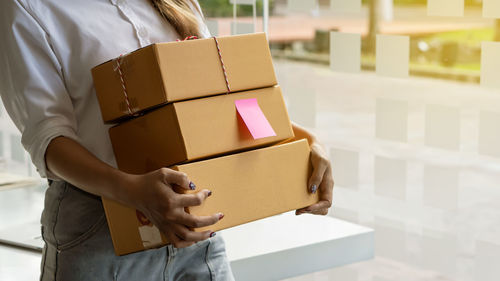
[274, 248]
[286, 245]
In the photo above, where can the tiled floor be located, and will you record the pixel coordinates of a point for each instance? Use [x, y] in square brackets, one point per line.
[432, 198]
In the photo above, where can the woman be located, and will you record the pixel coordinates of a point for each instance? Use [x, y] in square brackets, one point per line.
[46, 53]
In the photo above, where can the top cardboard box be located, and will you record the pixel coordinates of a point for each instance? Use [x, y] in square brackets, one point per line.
[174, 71]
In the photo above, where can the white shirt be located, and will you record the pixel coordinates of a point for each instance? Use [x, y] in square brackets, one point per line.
[47, 49]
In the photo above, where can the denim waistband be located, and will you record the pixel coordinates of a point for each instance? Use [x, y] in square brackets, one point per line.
[69, 213]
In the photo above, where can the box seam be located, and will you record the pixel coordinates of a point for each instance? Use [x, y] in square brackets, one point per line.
[160, 72]
[178, 127]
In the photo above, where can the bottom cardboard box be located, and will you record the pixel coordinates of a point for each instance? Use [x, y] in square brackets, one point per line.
[245, 187]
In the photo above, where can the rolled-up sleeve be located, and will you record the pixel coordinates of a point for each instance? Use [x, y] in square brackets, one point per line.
[31, 83]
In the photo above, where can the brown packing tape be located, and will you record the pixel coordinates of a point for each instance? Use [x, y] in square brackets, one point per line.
[175, 71]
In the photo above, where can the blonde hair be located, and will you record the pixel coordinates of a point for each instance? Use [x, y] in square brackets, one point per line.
[180, 15]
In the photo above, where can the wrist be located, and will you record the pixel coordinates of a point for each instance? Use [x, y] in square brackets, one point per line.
[125, 188]
[302, 133]
[312, 140]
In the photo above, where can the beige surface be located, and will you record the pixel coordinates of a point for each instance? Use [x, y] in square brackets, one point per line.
[452, 8]
[391, 119]
[490, 64]
[491, 8]
[345, 52]
[345, 5]
[304, 6]
[489, 135]
[392, 55]
[442, 126]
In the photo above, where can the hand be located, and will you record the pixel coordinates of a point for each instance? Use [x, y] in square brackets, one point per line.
[322, 180]
[165, 208]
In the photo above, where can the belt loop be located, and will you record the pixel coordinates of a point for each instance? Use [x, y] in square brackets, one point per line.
[171, 250]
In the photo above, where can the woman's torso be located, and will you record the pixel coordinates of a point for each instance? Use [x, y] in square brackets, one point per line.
[85, 33]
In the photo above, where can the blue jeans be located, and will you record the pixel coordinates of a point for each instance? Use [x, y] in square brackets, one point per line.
[78, 246]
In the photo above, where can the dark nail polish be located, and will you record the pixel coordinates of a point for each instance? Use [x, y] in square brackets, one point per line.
[314, 188]
[212, 234]
[209, 193]
[192, 186]
[221, 216]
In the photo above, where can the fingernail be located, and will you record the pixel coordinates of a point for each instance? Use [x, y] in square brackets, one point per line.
[221, 215]
[314, 188]
[192, 186]
[209, 193]
[212, 234]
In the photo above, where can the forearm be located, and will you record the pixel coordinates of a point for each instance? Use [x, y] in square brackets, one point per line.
[70, 161]
[302, 133]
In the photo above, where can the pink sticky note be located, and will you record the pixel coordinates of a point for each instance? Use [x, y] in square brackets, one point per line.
[254, 118]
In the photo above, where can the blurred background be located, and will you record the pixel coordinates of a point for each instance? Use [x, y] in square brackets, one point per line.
[405, 96]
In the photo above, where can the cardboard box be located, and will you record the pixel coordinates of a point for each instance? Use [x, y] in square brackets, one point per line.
[175, 71]
[245, 187]
[196, 129]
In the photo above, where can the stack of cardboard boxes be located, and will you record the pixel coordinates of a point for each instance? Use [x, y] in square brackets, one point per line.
[210, 108]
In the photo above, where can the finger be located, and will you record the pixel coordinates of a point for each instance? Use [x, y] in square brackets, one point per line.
[188, 235]
[320, 205]
[198, 221]
[193, 199]
[178, 178]
[322, 212]
[320, 165]
[326, 187]
[314, 207]
[179, 243]
[325, 196]
[175, 240]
